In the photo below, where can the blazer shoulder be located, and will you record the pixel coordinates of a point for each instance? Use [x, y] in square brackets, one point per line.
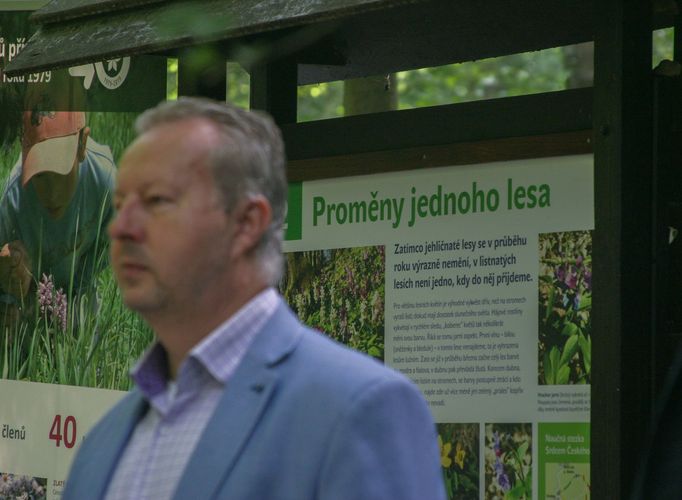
[322, 365]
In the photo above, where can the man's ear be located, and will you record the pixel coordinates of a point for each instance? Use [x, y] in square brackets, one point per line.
[251, 219]
[82, 143]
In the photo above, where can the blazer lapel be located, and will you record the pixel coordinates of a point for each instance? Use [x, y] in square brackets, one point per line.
[245, 398]
[101, 461]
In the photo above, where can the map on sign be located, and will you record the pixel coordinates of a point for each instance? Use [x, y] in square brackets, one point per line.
[567, 481]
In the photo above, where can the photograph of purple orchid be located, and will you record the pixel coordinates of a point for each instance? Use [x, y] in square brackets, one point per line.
[564, 309]
[52, 302]
[340, 293]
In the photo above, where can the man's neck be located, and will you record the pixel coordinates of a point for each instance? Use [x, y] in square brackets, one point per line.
[180, 331]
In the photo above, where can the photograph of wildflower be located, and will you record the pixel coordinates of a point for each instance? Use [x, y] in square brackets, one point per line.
[460, 459]
[23, 487]
[340, 292]
[565, 305]
[508, 461]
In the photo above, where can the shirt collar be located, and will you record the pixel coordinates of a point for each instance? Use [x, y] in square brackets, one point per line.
[222, 350]
[219, 353]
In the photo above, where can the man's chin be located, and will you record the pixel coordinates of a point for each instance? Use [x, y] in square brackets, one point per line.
[136, 303]
[140, 301]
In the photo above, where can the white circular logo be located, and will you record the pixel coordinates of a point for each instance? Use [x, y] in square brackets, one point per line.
[115, 73]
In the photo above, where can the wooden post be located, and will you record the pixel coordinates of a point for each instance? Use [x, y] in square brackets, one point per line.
[622, 318]
[274, 89]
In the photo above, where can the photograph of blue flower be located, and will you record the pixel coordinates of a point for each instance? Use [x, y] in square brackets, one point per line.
[508, 461]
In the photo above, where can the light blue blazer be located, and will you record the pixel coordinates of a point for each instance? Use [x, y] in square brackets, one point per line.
[302, 418]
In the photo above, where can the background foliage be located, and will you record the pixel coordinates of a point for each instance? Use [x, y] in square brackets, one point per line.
[517, 74]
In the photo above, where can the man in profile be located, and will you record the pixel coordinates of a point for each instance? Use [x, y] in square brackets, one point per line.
[55, 205]
[237, 399]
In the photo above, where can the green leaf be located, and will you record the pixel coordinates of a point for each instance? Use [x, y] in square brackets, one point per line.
[586, 348]
[467, 484]
[570, 348]
[550, 303]
[517, 491]
[5, 360]
[22, 370]
[61, 365]
[549, 370]
[522, 450]
[529, 484]
[569, 329]
[585, 302]
[554, 357]
[562, 375]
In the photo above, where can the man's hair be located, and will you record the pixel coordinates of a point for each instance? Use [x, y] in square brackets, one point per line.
[250, 161]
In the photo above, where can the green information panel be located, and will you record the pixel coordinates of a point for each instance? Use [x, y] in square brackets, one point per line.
[564, 458]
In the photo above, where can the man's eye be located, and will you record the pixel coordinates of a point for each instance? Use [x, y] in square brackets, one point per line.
[157, 199]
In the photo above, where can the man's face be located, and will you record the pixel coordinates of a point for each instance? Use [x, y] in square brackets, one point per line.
[170, 238]
[55, 191]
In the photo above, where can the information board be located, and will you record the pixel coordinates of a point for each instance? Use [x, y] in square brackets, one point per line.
[475, 282]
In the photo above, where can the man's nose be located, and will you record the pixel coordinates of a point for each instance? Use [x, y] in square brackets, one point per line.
[127, 223]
